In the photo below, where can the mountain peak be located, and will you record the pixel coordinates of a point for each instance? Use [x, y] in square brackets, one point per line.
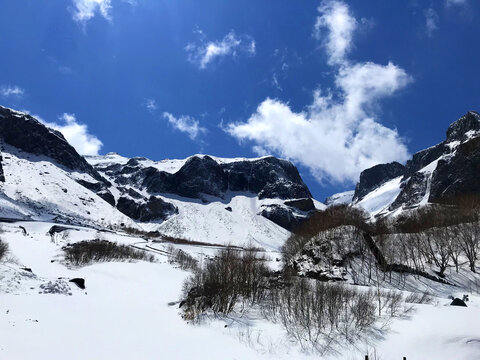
[458, 130]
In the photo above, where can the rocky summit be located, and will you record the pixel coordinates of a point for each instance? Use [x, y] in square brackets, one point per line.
[439, 174]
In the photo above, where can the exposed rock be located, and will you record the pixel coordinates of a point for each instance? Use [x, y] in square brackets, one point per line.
[283, 216]
[301, 204]
[28, 134]
[457, 175]
[413, 191]
[469, 122]
[375, 176]
[423, 158]
[153, 209]
[201, 175]
[80, 282]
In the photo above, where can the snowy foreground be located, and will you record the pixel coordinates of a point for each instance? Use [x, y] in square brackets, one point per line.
[130, 311]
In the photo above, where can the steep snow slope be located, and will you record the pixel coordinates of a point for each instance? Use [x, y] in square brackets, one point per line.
[38, 188]
[378, 201]
[212, 222]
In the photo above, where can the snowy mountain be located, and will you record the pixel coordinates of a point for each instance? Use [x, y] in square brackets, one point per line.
[201, 198]
[439, 174]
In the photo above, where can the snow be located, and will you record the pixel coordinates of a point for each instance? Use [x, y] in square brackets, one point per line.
[124, 313]
[380, 199]
[212, 223]
[37, 188]
[345, 197]
[168, 165]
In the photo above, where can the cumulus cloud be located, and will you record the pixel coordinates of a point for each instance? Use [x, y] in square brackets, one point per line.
[205, 52]
[336, 18]
[8, 91]
[185, 124]
[431, 21]
[76, 134]
[337, 135]
[85, 10]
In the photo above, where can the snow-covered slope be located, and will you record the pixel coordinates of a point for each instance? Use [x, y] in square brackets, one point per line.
[38, 188]
[130, 310]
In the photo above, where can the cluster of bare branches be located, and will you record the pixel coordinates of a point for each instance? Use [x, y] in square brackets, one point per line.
[183, 259]
[3, 249]
[91, 251]
[232, 276]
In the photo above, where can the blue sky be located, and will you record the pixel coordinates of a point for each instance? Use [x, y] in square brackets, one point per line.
[334, 86]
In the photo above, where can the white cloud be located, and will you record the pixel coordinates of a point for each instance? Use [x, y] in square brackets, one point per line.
[85, 10]
[337, 135]
[151, 105]
[205, 52]
[431, 21]
[7, 91]
[186, 124]
[336, 17]
[76, 134]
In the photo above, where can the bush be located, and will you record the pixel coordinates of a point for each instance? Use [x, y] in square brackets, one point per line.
[86, 252]
[223, 281]
[332, 217]
[3, 249]
[182, 258]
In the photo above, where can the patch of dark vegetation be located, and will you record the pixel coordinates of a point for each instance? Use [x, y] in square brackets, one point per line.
[229, 277]
[3, 249]
[316, 314]
[87, 252]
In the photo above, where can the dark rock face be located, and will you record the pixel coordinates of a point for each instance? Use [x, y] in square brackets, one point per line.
[375, 176]
[423, 158]
[413, 191]
[153, 209]
[283, 216]
[301, 204]
[28, 134]
[79, 282]
[268, 178]
[2, 174]
[458, 129]
[457, 175]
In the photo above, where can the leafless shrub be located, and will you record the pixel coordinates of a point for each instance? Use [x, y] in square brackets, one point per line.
[3, 249]
[184, 260]
[86, 252]
[225, 280]
[419, 298]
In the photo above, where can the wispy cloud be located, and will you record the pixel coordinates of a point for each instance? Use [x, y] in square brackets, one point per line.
[338, 135]
[151, 105]
[336, 18]
[431, 21]
[76, 134]
[186, 124]
[205, 52]
[455, 2]
[85, 10]
[8, 91]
